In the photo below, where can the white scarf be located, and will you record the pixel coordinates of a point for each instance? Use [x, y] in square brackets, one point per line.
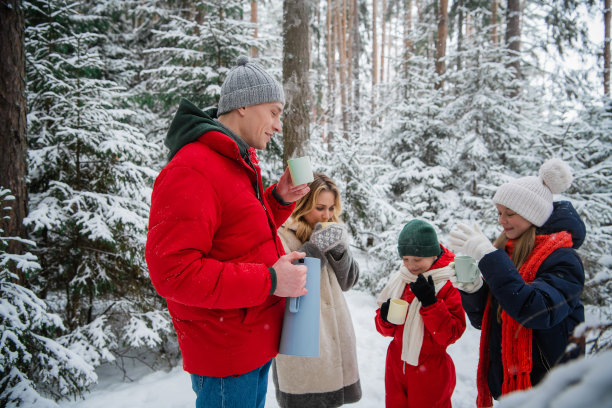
[412, 338]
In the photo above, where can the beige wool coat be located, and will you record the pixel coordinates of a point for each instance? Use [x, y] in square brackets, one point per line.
[332, 379]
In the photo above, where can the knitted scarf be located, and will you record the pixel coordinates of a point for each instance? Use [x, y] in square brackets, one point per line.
[516, 340]
[414, 328]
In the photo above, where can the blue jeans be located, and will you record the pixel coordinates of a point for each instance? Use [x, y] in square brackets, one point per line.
[244, 391]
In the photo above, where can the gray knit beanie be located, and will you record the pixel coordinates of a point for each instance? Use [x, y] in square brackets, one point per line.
[532, 197]
[248, 84]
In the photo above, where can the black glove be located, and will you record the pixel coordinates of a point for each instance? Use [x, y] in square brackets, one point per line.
[424, 290]
[384, 311]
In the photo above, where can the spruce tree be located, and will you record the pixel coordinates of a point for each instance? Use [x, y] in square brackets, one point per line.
[35, 369]
[89, 184]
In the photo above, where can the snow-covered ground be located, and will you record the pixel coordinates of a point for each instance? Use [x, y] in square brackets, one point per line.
[589, 379]
[173, 389]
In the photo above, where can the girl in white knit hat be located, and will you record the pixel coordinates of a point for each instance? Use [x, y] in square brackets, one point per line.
[529, 303]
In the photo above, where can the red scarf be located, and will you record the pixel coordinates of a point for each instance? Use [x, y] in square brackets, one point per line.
[516, 339]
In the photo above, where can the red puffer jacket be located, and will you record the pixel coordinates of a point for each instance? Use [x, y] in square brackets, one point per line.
[209, 246]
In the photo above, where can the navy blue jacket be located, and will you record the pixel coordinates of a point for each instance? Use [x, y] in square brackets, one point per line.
[550, 305]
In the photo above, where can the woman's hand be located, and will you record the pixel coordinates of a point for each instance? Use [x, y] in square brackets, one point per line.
[333, 237]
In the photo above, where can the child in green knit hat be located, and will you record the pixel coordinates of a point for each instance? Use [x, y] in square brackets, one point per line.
[419, 372]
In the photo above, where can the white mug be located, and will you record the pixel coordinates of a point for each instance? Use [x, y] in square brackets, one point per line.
[301, 170]
[397, 311]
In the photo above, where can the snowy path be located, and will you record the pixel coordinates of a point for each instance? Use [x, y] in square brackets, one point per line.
[173, 389]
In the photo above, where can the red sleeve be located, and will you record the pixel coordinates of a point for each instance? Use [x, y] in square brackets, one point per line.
[185, 213]
[445, 319]
[384, 328]
[280, 212]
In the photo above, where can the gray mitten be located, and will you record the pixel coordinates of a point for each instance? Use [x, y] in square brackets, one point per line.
[330, 237]
[312, 251]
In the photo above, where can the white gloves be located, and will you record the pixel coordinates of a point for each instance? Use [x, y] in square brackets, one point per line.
[470, 241]
[330, 237]
[468, 287]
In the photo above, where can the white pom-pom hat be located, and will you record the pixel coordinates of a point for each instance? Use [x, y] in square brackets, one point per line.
[532, 197]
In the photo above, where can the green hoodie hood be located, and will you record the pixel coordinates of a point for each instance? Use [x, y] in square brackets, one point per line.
[190, 122]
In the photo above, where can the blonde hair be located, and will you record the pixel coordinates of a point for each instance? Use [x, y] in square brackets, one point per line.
[524, 245]
[307, 203]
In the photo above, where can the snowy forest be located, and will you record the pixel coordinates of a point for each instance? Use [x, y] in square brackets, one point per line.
[416, 108]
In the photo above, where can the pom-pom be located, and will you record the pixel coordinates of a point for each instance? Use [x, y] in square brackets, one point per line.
[242, 60]
[557, 175]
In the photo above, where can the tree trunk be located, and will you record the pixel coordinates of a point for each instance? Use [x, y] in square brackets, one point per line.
[606, 71]
[383, 33]
[296, 60]
[254, 51]
[374, 43]
[441, 41]
[331, 74]
[355, 53]
[460, 34]
[13, 147]
[340, 30]
[407, 34]
[513, 35]
[374, 53]
[494, 38]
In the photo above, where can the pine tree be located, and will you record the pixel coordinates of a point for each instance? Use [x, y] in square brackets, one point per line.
[33, 366]
[89, 187]
[188, 47]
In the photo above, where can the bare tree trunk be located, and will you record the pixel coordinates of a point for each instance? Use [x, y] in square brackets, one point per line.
[355, 52]
[441, 41]
[494, 38]
[383, 40]
[460, 33]
[340, 30]
[513, 34]
[407, 34]
[374, 42]
[331, 72]
[13, 148]
[254, 51]
[296, 60]
[606, 72]
[349, 58]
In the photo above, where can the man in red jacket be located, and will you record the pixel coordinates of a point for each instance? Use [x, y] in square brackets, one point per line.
[212, 247]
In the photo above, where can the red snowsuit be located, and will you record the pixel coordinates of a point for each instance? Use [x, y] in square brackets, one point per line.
[211, 239]
[431, 383]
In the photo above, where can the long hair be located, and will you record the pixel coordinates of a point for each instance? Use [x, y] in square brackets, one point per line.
[307, 203]
[524, 245]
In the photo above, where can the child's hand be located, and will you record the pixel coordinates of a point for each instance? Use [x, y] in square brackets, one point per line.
[469, 287]
[384, 311]
[424, 290]
[470, 240]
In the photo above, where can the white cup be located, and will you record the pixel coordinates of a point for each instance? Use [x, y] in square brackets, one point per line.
[397, 311]
[301, 170]
[466, 269]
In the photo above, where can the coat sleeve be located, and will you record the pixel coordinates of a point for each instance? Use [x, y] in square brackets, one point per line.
[445, 319]
[345, 268]
[474, 305]
[384, 328]
[547, 300]
[182, 224]
[280, 212]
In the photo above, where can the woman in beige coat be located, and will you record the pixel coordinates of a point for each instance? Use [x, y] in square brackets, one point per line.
[332, 379]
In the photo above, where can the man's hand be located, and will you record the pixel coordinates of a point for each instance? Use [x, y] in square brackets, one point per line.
[289, 192]
[290, 278]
